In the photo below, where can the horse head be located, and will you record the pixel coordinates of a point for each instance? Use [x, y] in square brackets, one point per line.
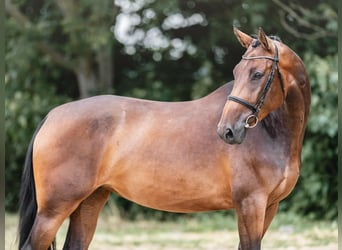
[261, 82]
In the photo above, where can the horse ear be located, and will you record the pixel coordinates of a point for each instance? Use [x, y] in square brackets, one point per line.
[243, 38]
[264, 40]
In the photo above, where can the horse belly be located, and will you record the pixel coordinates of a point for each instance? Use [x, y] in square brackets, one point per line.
[172, 187]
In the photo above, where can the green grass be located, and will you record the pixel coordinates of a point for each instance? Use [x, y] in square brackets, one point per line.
[199, 231]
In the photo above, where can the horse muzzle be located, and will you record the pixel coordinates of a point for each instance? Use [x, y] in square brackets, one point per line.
[232, 134]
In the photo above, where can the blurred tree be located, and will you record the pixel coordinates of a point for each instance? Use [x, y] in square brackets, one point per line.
[307, 23]
[57, 28]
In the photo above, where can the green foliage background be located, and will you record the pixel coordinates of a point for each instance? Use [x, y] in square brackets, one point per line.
[194, 59]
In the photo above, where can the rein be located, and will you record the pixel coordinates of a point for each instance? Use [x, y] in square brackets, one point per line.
[252, 120]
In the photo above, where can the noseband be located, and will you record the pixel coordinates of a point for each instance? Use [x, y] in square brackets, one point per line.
[253, 118]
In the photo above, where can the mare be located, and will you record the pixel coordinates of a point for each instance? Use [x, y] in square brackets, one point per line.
[202, 155]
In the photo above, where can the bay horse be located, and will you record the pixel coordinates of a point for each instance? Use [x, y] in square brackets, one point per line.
[214, 153]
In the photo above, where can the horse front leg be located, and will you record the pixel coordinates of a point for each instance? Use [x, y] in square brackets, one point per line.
[269, 215]
[251, 219]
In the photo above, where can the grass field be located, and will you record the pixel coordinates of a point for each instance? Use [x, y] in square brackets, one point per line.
[207, 231]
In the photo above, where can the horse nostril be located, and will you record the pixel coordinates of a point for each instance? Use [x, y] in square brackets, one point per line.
[228, 134]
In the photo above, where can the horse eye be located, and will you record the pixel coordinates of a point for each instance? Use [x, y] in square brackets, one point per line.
[257, 75]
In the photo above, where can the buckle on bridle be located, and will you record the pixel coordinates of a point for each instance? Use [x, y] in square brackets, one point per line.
[251, 121]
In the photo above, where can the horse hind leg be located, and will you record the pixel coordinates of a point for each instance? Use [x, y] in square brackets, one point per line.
[84, 219]
[50, 217]
[44, 230]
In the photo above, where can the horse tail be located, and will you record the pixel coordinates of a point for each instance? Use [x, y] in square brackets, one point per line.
[27, 198]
